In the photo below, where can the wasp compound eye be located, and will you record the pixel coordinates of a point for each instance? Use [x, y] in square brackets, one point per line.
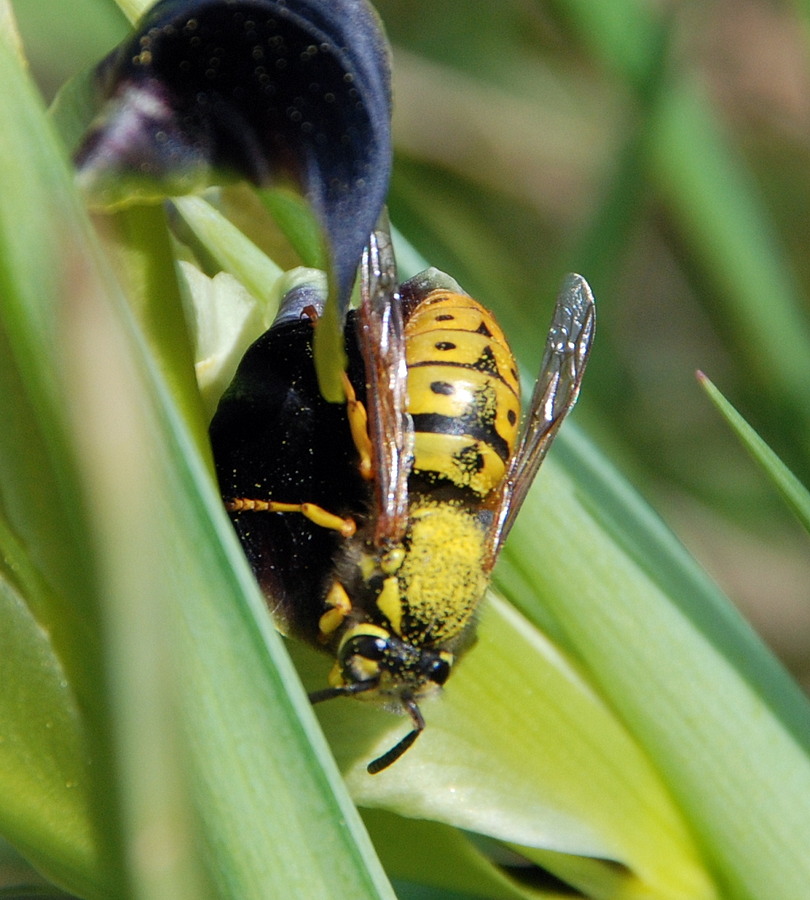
[368, 646]
[438, 671]
[361, 658]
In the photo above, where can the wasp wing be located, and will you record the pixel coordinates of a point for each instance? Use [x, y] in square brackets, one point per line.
[382, 343]
[566, 354]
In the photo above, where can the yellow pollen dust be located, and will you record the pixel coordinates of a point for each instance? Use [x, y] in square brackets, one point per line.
[442, 579]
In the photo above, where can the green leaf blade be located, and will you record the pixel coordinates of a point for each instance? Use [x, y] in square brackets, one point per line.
[719, 718]
[180, 681]
[792, 490]
[518, 748]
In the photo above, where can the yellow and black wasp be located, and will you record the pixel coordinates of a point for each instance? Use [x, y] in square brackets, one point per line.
[403, 497]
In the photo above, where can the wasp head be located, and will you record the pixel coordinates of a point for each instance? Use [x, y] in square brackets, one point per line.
[372, 661]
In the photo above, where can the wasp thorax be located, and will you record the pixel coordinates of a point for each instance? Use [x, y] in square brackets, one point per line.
[424, 590]
[441, 580]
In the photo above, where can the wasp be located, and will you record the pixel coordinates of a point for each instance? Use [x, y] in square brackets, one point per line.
[373, 527]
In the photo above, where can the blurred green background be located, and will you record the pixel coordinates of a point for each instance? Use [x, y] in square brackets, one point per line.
[663, 151]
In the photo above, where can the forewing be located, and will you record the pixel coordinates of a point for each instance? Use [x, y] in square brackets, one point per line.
[382, 343]
[564, 359]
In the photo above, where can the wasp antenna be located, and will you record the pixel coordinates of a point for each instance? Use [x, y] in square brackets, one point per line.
[392, 755]
[342, 690]
[327, 694]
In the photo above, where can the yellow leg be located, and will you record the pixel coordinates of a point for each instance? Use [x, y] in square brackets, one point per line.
[339, 607]
[358, 423]
[316, 514]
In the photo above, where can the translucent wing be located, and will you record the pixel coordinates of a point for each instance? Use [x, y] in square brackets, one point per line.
[566, 354]
[382, 344]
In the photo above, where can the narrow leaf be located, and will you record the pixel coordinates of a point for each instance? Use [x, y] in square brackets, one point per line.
[518, 748]
[124, 589]
[792, 490]
[722, 721]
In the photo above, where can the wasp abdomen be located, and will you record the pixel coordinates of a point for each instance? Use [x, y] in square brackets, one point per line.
[463, 393]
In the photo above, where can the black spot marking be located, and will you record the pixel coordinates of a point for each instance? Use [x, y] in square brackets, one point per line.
[469, 460]
[444, 317]
[484, 406]
[445, 345]
[486, 362]
[511, 416]
[482, 329]
[442, 387]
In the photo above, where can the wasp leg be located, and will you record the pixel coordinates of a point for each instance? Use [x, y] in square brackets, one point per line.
[313, 512]
[358, 424]
[339, 607]
[355, 412]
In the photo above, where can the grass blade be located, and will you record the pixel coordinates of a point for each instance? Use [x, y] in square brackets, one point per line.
[792, 490]
[185, 732]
